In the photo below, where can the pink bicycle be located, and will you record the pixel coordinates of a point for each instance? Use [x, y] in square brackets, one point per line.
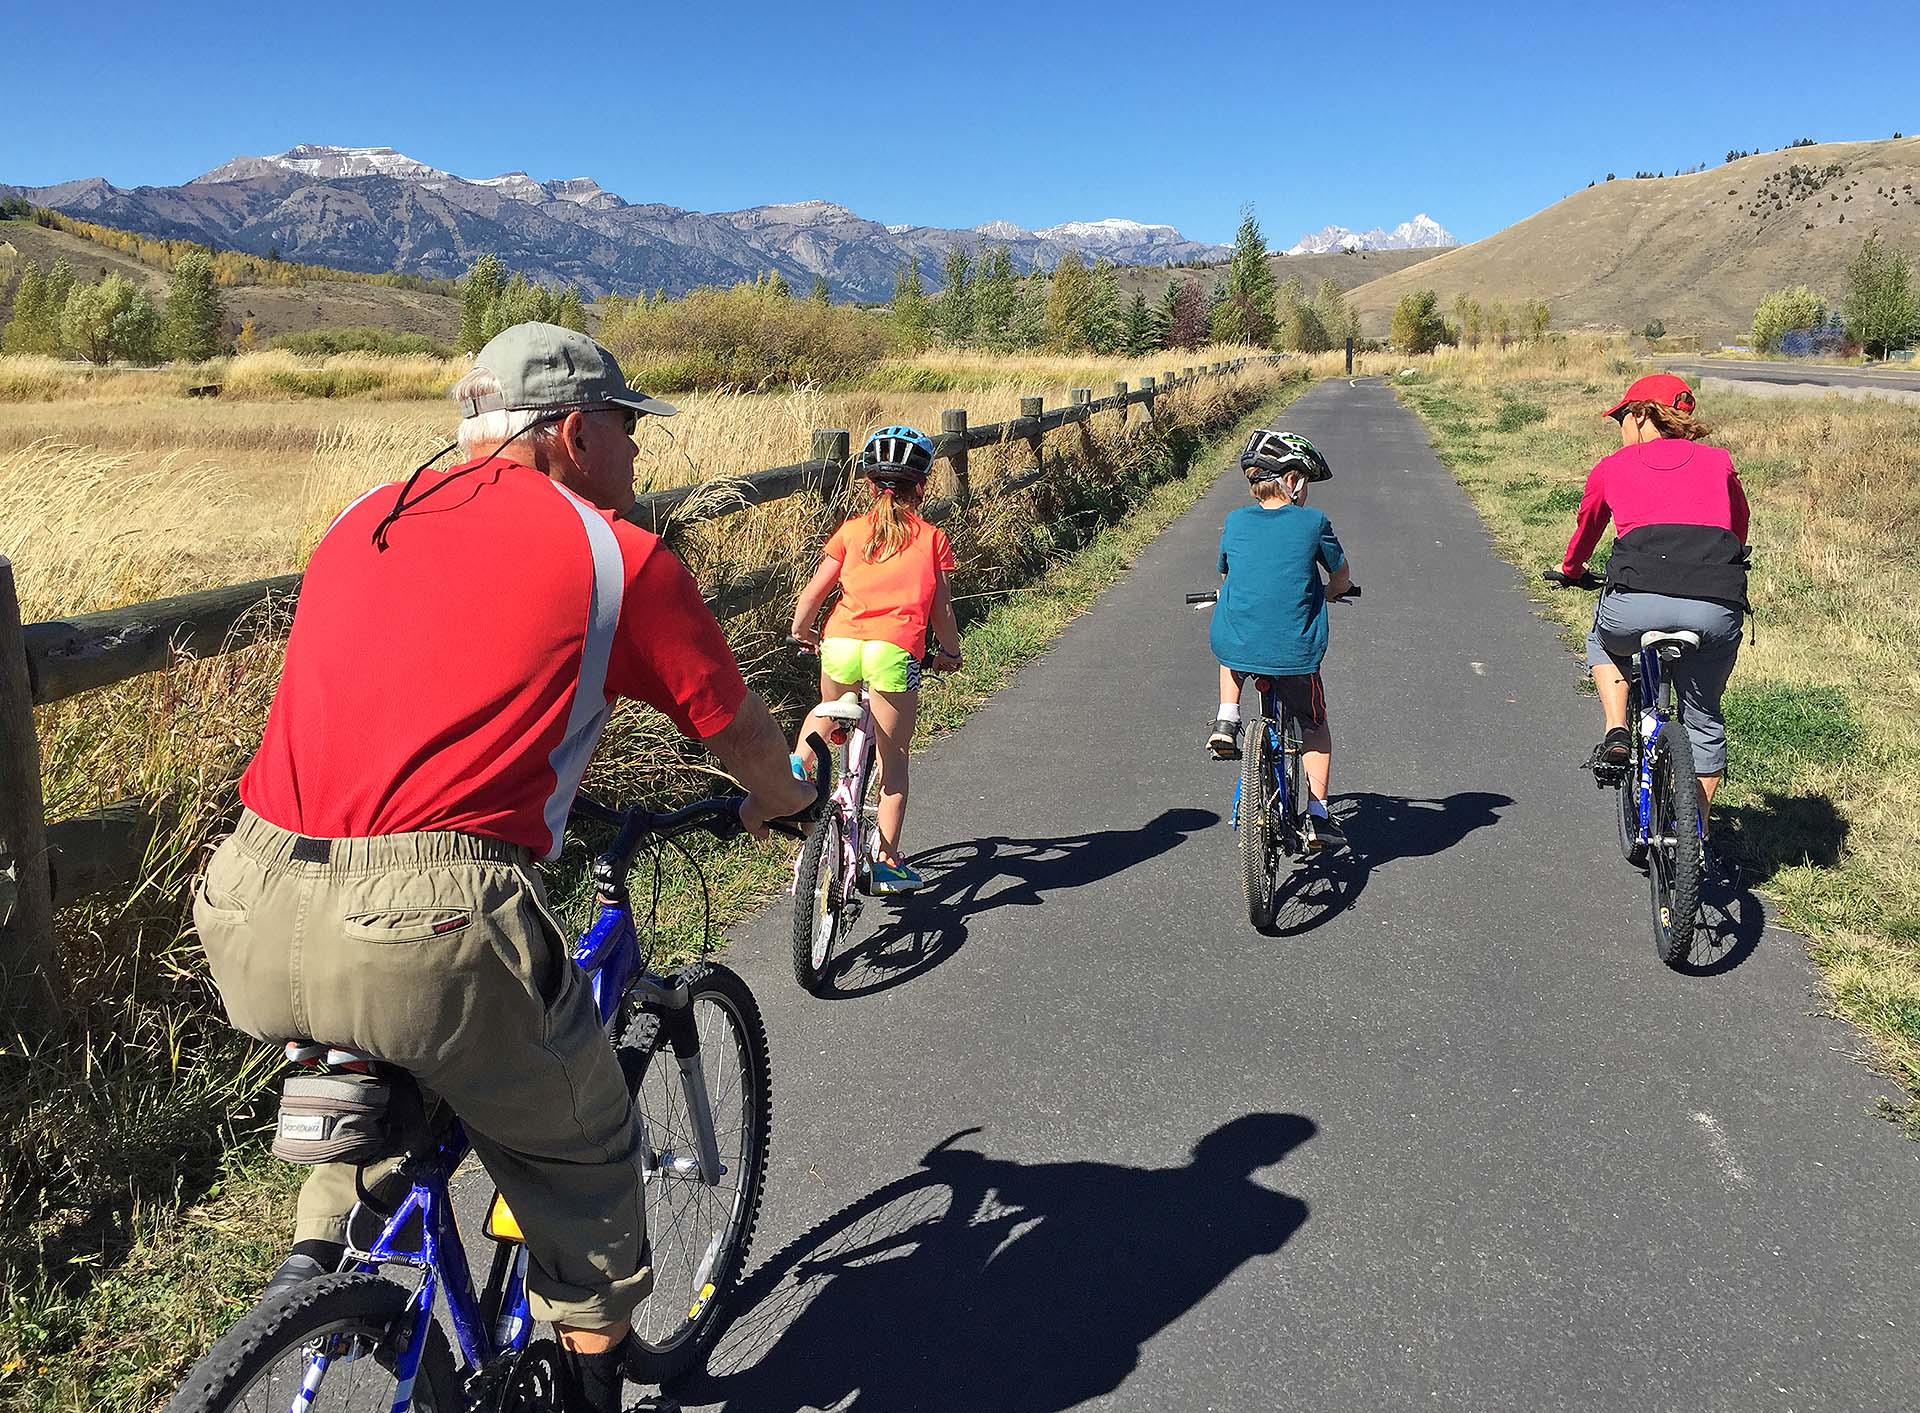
[834, 870]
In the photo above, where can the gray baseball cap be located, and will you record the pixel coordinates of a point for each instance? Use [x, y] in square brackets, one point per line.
[542, 366]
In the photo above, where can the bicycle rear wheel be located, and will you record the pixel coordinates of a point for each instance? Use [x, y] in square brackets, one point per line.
[1289, 825]
[1258, 874]
[355, 1322]
[819, 899]
[1627, 816]
[1675, 856]
[700, 1234]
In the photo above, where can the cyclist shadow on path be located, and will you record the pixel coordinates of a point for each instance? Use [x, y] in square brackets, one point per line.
[979, 1283]
[976, 876]
[1384, 829]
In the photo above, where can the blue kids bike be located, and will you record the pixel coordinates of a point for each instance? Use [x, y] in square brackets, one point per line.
[694, 1050]
[1269, 803]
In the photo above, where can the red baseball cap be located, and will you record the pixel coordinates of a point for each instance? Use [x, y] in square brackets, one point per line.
[1663, 388]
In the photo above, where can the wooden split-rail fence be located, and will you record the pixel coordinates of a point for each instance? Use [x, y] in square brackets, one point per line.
[45, 866]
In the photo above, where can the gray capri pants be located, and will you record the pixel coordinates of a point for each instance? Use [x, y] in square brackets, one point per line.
[1699, 676]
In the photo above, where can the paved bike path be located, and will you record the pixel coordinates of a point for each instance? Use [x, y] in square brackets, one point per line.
[1467, 1144]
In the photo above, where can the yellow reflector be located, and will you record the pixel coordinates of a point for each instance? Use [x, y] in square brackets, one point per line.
[699, 1304]
[501, 1225]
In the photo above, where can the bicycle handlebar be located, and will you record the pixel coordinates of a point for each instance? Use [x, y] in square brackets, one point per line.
[1213, 595]
[1587, 579]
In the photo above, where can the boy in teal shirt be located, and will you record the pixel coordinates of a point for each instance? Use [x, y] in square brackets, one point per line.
[1271, 620]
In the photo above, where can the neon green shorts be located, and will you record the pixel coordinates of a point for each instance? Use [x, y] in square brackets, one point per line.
[885, 667]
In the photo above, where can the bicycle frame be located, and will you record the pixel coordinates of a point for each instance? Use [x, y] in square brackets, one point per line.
[1650, 706]
[423, 1232]
[848, 793]
[1270, 722]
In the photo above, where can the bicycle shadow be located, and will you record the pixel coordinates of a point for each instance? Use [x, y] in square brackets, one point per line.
[1729, 927]
[976, 876]
[980, 1283]
[1384, 829]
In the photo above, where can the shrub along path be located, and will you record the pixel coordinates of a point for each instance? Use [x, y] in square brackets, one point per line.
[1454, 1139]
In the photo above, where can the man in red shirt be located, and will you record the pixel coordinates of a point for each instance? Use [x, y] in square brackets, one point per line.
[459, 644]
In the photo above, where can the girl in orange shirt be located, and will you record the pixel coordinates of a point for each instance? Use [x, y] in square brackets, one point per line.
[891, 568]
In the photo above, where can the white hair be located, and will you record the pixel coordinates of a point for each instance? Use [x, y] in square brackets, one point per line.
[488, 431]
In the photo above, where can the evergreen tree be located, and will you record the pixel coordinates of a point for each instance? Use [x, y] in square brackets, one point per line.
[1166, 312]
[569, 312]
[953, 310]
[477, 295]
[1138, 335]
[1069, 301]
[1103, 309]
[1881, 310]
[777, 285]
[912, 312]
[996, 292]
[195, 317]
[1246, 314]
[820, 294]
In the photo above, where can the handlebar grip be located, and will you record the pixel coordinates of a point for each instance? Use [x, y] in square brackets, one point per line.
[1353, 592]
[1211, 596]
[801, 646]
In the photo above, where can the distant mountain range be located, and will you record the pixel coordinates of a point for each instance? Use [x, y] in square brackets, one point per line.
[1421, 233]
[372, 208]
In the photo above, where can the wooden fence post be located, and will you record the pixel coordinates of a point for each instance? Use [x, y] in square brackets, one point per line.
[1167, 380]
[1186, 373]
[954, 422]
[1081, 397]
[1033, 407]
[1349, 355]
[835, 448]
[1120, 397]
[29, 970]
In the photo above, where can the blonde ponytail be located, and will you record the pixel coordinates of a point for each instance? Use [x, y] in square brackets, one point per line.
[891, 525]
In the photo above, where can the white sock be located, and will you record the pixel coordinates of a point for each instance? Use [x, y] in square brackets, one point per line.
[1317, 808]
[1230, 711]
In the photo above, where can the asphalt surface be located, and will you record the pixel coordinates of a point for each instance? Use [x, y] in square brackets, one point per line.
[1071, 1134]
[1889, 379]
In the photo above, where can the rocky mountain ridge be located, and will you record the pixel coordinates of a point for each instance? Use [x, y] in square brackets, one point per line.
[1421, 233]
[374, 208]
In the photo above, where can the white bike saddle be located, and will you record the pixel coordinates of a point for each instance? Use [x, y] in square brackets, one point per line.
[846, 709]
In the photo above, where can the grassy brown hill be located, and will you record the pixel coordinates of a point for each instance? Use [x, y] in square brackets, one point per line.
[1696, 252]
[1348, 269]
[275, 309]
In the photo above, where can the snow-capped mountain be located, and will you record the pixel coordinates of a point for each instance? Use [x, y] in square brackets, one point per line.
[1421, 233]
[373, 208]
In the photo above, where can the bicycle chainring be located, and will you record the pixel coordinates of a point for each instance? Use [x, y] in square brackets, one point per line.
[530, 1381]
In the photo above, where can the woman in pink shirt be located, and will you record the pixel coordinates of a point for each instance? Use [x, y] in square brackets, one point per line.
[1679, 562]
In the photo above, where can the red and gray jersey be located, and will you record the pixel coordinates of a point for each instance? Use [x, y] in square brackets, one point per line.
[460, 678]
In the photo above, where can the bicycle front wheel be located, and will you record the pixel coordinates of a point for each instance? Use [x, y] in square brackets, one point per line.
[1257, 872]
[1675, 855]
[700, 1232]
[330, 1344]
[819, 899]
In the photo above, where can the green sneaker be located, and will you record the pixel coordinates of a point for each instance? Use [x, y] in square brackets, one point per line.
[895, 878]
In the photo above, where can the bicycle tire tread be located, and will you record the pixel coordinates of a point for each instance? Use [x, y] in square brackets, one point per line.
[269, 1329]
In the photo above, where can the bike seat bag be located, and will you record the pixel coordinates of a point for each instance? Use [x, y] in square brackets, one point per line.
[338, 1118]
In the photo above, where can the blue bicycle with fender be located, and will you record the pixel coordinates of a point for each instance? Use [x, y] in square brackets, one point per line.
[694, 1050]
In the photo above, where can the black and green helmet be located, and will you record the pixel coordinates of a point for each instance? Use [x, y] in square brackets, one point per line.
[1279, 452]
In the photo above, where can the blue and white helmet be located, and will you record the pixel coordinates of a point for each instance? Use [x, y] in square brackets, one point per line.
[897, 456]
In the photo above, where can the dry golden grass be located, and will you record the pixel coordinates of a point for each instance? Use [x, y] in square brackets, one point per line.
[1824, 712]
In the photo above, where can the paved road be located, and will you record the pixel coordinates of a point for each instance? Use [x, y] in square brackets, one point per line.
[1881, 379]
[1454, 1140]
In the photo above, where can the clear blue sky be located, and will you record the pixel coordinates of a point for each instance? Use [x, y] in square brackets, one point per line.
[956, 114]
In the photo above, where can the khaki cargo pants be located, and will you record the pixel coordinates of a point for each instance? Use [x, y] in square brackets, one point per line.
[436, 952]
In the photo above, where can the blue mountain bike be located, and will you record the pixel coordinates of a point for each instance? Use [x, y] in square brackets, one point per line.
[1661, 828]
[1270, 801]
[367, 1339]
